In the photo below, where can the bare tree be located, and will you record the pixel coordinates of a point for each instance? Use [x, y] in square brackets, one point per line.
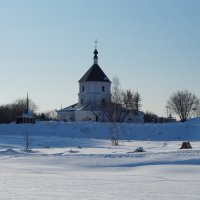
[20, 105]
[27, 141]
[132, 101]
[117, 92]
[121, 104]
[182, 103]
[114, 110]
[116, 103]
[120, 101]
[115, 134]
[137, 102]
[128, 99]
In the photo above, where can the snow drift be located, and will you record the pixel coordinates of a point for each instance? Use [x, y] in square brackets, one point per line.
[189, 130]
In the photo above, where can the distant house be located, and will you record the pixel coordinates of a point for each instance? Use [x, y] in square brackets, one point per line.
[26, 117]
[94, 89]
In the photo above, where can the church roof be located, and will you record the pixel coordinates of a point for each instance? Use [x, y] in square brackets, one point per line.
[68, 109]
[95, 73]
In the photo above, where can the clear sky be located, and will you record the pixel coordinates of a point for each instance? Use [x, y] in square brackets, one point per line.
[152, 46]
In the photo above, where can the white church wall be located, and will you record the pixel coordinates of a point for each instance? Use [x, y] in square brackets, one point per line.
[81, 116]
[66, 116]
[94, 92]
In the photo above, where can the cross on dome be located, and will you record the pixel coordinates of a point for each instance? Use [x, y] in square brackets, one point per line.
[95, 43]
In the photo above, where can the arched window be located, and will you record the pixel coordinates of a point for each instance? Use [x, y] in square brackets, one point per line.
[103, 88]
[83, 88]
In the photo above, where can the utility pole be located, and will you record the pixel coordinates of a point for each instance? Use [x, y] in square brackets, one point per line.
[167, 107]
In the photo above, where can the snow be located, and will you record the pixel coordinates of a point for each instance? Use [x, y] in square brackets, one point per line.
[78, 161]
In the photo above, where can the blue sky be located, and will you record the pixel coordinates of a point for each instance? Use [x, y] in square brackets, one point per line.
[152, 46]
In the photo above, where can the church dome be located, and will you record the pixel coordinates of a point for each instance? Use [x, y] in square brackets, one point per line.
[95, 73]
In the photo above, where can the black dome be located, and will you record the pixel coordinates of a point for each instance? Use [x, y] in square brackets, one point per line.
[95, 73]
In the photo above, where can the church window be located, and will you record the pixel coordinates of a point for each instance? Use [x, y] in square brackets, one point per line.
[83, 88]
[103, 88]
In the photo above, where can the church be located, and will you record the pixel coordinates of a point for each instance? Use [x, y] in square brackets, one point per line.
[94, 89]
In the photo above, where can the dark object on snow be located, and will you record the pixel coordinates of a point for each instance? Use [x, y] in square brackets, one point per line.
[139, 149]
[186, 145]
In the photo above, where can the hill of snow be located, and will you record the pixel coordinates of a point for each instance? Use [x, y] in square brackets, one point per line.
[78, 161]
[189, 130]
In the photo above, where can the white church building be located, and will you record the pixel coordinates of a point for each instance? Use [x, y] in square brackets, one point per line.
[94, 89]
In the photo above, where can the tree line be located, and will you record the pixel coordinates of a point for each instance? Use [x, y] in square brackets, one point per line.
[182, 103]
[9, 112]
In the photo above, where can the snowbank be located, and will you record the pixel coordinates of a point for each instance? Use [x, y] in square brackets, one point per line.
[189, 130]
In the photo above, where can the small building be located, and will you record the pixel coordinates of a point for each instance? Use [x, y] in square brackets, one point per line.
[26, 117]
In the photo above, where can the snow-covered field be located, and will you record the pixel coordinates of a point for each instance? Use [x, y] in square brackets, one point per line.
[78, 161]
